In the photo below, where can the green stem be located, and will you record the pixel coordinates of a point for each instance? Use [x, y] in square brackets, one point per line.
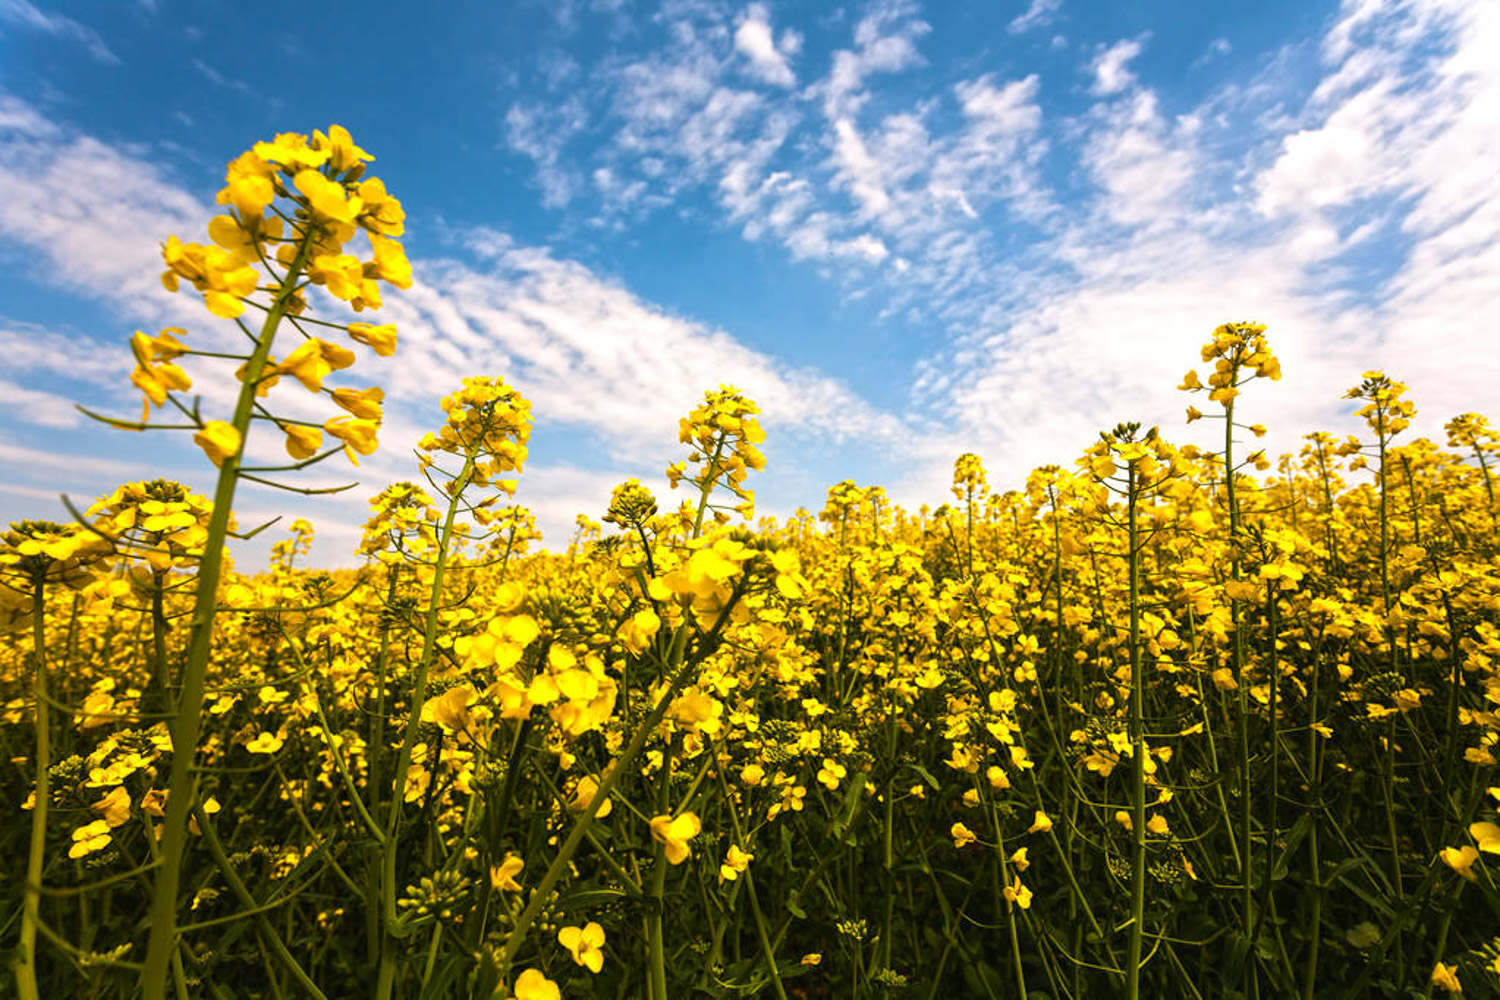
[187, 718]
[385, 978]
[1138, 756]
[24, 965]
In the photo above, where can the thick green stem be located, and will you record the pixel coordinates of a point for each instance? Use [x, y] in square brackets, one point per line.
[187, 716]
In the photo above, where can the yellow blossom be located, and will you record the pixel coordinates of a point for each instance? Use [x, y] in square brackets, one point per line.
[219, 440]
[675, 832]
[585, 943]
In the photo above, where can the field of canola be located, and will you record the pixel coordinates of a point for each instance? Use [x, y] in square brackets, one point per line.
[1165, 723]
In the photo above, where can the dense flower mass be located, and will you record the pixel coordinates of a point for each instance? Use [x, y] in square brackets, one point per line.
[1163, 722]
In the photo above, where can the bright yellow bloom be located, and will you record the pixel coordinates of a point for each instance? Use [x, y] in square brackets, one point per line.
[675, 834]
[302, 442]
[735, 863]
[391, 265]
[114, 808]
[1461, 860]
[327, 198]
[313, 361]
[1446, 978]
[383, 214]
[381, 337]
[1018, 893]
[962, 835]
[1488, 836]
[363, 403]
[503, 875]
[586, 944]
[219, 440]
[342, 152]
[357, 435]
[588, 787]
[532, 985]
[1041, 824]
[265, 743]
[89, 839]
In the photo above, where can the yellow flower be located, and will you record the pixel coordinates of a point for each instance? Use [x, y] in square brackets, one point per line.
[1461, 860]
[391, 265]
[450, 710]
[1446, 977]
[832, 773]
[383, 214]
[638, 630]
[302, 442]
[675, 834]
[314, 360]
[381, 337]
[752, 774]
[1488, 836]
[357, 435]
[363, 403]
[812, 958]
[962, 835]
[1042, 824]
[586, 944]
[1020, 860]
[89, 839]
[115, 807]
[1019, 894]
[342, 152]
[1157, 824]
[249, 187]
[327, 197]
[219, 440]
[265, 743]
[532, 985]
[735, 863]
[503, 875]
[588, 787]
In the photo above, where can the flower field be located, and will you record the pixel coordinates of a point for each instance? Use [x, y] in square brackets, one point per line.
[1166, 722]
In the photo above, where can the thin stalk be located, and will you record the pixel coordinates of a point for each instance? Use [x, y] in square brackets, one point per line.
[24, 965]
[1138, 744]
[385, 977]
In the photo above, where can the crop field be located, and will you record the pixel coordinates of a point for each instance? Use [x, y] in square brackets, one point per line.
[1168, 722]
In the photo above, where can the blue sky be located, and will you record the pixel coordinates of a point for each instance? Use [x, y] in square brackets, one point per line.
[907, 230]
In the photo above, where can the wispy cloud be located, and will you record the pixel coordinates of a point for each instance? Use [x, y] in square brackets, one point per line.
[1039, 14]
[767, 60]
[1111, 67]
[22, 14]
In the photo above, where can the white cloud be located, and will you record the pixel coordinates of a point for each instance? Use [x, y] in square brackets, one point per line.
[884, 42]
[1111, 67]
[36, 406]
[541, 132]
[26, 15]
[1038, 14]
[1396, 143]
[753, 40]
